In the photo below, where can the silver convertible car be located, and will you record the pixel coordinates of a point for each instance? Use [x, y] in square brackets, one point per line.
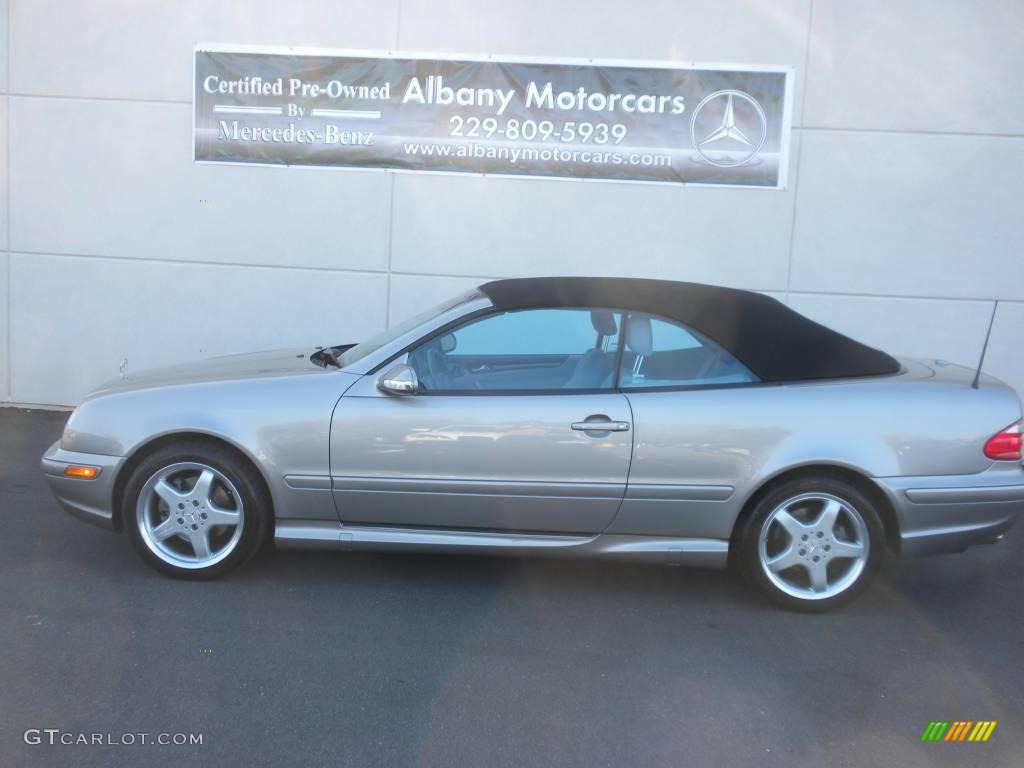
[621, 418]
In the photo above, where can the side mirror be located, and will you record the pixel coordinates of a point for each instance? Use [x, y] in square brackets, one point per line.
[399, 380]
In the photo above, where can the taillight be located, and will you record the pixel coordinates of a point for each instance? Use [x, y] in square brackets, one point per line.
[1006, 445]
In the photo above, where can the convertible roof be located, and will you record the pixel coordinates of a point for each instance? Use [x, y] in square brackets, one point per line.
[773, 341]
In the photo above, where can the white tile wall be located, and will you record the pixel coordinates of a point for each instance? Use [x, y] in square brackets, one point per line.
[926, 328]
[4, 223]
[75, 190]
[4, 7]
[735, 31]
[917, 65]
[464, 225]
[1005, 356]
[4, 329]
[910, 214]
[411, 294]
[4, 230]
[900, 227]
[142, 50]
[73, 318]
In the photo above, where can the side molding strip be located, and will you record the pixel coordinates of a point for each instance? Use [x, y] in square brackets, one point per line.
[308, 482]
[674, 492]
[343, 483]
[966, 495]
[677, 551]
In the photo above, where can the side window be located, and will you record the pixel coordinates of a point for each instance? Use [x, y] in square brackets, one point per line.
[663, 353]
[532, 349]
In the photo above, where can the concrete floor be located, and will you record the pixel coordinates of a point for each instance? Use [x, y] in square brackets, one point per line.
[390, 660]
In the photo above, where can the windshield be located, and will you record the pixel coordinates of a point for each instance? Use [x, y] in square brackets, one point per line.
[375, 342]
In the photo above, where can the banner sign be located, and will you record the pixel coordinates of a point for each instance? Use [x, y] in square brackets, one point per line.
[611, 121]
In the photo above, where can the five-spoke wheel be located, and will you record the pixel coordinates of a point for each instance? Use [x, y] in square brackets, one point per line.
[190, 515]
[812, 543]
[197, 510]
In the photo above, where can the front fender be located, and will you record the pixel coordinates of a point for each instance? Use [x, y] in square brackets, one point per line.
[281, 424]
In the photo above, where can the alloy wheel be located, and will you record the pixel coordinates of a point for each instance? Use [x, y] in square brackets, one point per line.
[814, 546]
[190, 515]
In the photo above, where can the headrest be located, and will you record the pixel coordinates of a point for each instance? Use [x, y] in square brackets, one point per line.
[604, 322]
[638, 334]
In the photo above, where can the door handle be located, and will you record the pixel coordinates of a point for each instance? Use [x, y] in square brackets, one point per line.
[601, 426]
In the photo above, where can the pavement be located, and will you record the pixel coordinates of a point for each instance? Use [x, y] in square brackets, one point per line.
[323, 658]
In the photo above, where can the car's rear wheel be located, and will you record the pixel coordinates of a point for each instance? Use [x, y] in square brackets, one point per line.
[195, 510]
[812, 544]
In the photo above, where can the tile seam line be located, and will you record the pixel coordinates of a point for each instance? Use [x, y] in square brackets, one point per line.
[904, 296]
[913, 132]
[462, 276]
[247, 265]
[797, 163]
[9, 377]
[114, 99]
[391, 240]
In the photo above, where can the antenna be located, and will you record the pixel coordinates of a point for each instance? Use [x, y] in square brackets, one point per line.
[984, 347]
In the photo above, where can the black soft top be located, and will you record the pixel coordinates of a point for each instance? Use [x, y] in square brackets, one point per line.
[773, 341]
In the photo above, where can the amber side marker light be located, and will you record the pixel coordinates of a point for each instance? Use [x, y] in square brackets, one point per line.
[84, 473]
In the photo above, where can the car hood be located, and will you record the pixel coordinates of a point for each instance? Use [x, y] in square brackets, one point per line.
[250, 365]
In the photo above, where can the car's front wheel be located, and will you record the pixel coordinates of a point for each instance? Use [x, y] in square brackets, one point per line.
[812, 544]
[195, 510]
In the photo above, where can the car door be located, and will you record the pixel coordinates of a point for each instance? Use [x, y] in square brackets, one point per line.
[700, 429]
[516, 426]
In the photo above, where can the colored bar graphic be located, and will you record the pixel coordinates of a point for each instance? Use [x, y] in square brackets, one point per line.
[984, 730]
[958, 730]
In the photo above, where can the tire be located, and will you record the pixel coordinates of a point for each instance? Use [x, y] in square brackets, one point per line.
[791, 552]
[215, 496]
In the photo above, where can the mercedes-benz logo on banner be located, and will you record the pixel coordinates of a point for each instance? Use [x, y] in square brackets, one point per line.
[728, 128]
